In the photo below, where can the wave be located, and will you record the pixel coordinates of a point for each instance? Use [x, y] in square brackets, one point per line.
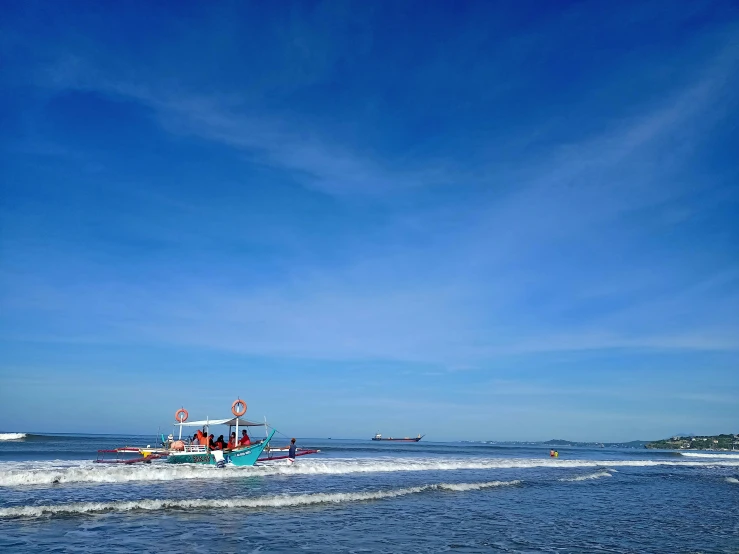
[79, 438]
[54, 473]
[587, 477]
[12, 436]
[733, 480]
[729, 456]
[280, 501]
[37, 437]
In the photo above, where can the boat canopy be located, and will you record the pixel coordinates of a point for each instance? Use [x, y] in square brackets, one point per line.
[232, 421]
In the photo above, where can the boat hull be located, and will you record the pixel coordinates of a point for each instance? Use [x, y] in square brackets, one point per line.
[243, 457]
[398, 440]
[188, 458]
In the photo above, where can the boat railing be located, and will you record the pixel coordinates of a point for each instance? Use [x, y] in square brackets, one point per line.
[250, 445]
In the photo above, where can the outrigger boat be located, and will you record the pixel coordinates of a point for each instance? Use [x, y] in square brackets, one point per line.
[178, 452]
[201, 454]
[240, 455]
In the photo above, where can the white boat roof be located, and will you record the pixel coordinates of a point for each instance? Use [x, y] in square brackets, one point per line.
[232, 421]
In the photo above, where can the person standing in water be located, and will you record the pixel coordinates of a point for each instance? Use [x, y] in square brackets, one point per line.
[291, 452]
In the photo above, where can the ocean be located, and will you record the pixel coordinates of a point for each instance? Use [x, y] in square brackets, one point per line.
[363, 496]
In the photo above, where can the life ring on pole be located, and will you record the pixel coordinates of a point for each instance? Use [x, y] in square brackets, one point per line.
[241, 411]
[181, 418]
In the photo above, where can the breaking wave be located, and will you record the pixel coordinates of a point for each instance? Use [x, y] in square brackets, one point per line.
[587, 477]
[280, 501]
[710, 455]
[12, 436]
[733, 480]
[53, 473]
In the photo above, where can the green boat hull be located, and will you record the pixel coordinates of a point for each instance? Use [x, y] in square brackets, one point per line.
[242, 457]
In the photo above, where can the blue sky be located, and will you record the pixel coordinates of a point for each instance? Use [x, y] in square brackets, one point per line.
[483, 220]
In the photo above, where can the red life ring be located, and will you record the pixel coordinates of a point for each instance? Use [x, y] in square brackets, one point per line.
[234, 411]
[182, 411]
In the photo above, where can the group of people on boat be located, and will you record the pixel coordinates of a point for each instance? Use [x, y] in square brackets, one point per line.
[220, 443]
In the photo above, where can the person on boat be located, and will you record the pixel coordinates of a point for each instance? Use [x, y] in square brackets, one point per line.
[232, 441]
[245, 440]
[195, 439]
[202, 438]
[211, 442]
[219, 443]
[291, 451]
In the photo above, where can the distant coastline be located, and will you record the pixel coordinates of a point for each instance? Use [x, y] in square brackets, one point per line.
[562, 442]
[724, 443]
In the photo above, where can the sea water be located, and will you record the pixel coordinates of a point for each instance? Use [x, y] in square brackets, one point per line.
[364, 496]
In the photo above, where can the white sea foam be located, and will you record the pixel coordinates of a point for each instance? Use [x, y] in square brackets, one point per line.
[280, 501]
[462, 487]
[12, 436]
[587, 477]
[51, 473]
[725, 455]
[733, 480]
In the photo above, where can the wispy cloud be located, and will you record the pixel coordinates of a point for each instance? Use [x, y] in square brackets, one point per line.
[339, 318]
[485, 203]
[372, 309]
[596, 167]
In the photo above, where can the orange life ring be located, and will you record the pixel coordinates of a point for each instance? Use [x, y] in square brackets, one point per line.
[238, 413]
[182, 411]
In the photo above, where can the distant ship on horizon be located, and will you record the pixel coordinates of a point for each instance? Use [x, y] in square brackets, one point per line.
[379, 437]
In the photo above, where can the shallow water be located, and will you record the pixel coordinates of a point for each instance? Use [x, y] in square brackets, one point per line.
[362, 496]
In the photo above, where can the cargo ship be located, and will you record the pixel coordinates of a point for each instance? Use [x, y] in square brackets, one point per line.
[379, 437]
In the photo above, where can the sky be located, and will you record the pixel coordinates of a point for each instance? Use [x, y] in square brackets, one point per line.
[477, 220]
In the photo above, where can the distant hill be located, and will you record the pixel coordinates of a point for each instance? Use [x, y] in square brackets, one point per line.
[633, 444]
[703, 442]
[562, 442]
